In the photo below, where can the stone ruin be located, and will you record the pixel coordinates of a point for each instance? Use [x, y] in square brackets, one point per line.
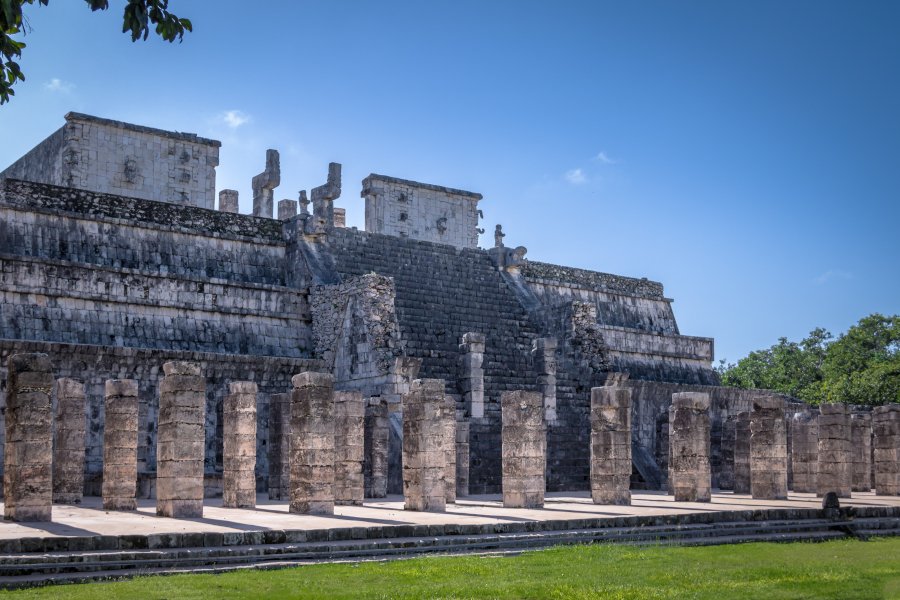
[861, 452]
[524, 445]
[611, 445]
[886, 426]
[119, 260]
[689, 428]
[834, 460]
[768, 449]
[805, 452]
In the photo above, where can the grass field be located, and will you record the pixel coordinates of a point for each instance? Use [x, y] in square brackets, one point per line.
[842, 570]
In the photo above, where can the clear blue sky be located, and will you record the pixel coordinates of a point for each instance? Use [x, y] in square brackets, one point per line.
[746, 154]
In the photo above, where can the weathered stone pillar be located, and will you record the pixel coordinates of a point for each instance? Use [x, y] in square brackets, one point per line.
[768, 449]
[228, 201]
[524, 446]
[68, 442]
[742, 453]
[287, 209]
[544, 352]
[180, 446]
[834, 472]
[239, 446]
[462, 455]
[611, 445]
[28, 455]
[377, 440]
[471, 373]
[279, 446]
[312, 444]
[120, 440]
[423, 452]
[349, 436]
[805, 451]
[861, 449]
[726, 469]
[264, 185]
[689, 439]
[449, 426]
[886, 424]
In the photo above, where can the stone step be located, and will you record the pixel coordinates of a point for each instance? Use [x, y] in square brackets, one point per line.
[71, 567]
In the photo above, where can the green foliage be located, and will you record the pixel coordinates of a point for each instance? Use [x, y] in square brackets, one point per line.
[862, 366]
[139, 16]
[844, 570]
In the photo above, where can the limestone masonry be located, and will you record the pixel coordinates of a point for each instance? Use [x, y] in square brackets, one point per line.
[179, 328]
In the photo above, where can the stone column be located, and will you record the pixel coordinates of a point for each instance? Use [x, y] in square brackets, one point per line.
[726, 472]
[524, 447]
[886, 424]
[68, 442]
[742, 453]
[472, 374]
[611, 445]
[834, 472]
[239, 446]
[377, 440]
[689, 439]
[805, 451]
[28, 454]
[423, 452]
[228, 201]
[768, 449]
[120, 440]
[544, 352]
[287, 209]
[312, 444]
[279, 446]
[861, 451]
[449, 426]
[180, 445]
[462, 455]
[349, 436]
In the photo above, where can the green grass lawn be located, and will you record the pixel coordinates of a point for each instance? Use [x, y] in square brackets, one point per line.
[841, 570]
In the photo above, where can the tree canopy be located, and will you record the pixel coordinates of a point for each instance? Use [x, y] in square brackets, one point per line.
[862, 366]
[138, 18]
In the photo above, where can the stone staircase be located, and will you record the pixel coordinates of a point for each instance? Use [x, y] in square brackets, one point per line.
[38, 561]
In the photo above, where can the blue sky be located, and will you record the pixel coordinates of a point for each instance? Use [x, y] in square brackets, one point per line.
[747, 154]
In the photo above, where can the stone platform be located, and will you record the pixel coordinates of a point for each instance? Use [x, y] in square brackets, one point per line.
[86, 542]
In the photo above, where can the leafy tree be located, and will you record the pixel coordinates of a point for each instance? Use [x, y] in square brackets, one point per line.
[139, 16]
[862, 366]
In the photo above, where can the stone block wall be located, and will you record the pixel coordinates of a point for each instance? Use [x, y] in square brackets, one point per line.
[113, 157]
[421, 211]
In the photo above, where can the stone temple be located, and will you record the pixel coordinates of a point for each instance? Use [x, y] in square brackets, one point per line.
[115, 259]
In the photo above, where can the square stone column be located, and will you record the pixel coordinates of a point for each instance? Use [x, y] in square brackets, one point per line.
[239, 446]
[462, 454]
[543, 350]
[449, 425]
[28, 454]
[768, 449]
[742, 453]
[424, 457]
[861, 451]
[834, 472]
[68, 442]
[180, 446]
[120, 440]
[349, 437]
[886, 425]
[312, 444]
[689, 440]
[279, 450]
[805, 451]
[287, 209]
[524, 449]
[471, 377]
[611, 445]
[726, 469]
[377, 440]
[228, 201]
